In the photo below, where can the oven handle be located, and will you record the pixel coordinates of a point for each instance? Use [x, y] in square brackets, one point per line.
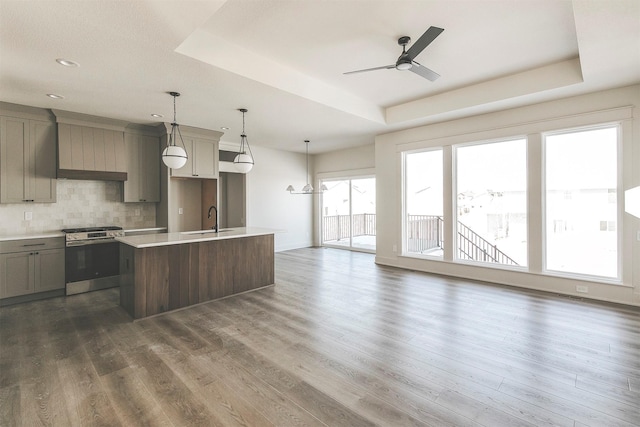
[91, 242]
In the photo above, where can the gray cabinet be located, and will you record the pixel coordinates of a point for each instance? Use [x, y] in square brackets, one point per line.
[202, 159]
[27, 160]
[143, 168]
[29, 266]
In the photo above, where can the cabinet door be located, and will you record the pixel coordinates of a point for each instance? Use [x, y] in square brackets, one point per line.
[132, 184]
[143, 169]
[187, 170]
[14, 159]
[17, 274]
[49, 270]
[204, 158]
[43, 181]
[27, 161]
[150, 168]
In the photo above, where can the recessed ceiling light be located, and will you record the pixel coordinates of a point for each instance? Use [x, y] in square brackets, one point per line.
[67, 63]
[54, 96]
[224, 128]
[157, 116]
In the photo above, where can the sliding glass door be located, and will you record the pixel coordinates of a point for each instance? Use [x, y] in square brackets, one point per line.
[349, 213]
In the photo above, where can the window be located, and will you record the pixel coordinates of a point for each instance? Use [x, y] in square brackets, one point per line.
[423, 203]
[491, 202]
[349, 213]
[581, 234]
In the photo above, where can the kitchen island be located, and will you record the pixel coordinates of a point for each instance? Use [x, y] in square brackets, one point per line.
[163, 272]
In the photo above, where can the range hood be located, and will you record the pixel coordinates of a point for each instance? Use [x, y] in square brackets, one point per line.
[90, 148]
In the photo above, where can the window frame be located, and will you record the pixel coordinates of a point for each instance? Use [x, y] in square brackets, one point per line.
[454, 189]
[618, 280]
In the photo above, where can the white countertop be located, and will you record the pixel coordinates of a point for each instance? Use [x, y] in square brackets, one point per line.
[50, 235]
[53, 234]
[164, 239]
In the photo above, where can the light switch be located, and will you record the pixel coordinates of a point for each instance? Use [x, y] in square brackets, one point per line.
[28, 216]
[180, 211]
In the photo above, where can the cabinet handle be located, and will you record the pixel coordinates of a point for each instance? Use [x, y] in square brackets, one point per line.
[27, 200]
[34, 244]
[195, 174]
[142, 200]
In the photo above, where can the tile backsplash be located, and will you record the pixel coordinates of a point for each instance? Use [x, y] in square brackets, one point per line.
[79, 204]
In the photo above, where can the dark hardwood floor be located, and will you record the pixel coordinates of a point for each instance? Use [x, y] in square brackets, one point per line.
[338, 341]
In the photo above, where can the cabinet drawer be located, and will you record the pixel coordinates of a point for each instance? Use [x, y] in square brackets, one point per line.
[25, 245]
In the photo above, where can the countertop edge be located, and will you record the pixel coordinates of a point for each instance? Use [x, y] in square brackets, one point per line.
[51, 235]
[167, 239]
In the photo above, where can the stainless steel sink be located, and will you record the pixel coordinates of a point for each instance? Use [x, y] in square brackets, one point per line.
[223, 230]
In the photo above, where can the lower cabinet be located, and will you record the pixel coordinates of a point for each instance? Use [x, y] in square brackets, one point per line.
[30, 266]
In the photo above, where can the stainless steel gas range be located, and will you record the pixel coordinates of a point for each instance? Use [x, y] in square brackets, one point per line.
[92, 258]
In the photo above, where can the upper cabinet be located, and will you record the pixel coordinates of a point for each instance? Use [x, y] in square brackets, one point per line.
[143, 167]
[90, 147]
[202, 161]
[202, 152]
[27, 155]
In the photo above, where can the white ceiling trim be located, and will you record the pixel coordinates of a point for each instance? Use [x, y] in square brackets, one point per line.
[554, 76]
[219, 52]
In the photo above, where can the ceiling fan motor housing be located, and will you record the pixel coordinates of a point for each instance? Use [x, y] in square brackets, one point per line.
[404, 40]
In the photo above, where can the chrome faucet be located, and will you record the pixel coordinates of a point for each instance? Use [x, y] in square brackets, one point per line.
[215, 227]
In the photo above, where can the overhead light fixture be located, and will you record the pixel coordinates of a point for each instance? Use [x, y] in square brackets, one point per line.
[173, 155]
[157, 116]
[243, 161]
[307, 189]
[54, 96]
[67, 63]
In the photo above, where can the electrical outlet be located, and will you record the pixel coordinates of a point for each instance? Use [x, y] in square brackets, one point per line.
[28, 216]
[180, 211]
[584, 289]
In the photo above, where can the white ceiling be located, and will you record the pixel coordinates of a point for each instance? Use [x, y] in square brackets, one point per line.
[283, 60]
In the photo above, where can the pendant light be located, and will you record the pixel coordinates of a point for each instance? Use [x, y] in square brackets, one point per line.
[307, 189]
[243, 161]
[173, 155]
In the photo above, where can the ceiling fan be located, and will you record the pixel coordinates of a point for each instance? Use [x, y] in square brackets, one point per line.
[406, 59]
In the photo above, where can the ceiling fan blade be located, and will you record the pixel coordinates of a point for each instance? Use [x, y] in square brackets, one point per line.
[423, 71]
[424, 41]
[386, 67]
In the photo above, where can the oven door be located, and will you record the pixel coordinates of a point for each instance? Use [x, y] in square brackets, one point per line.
[92, 261]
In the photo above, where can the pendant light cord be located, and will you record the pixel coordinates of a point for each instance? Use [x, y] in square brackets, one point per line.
[174, 110]
[307, 145]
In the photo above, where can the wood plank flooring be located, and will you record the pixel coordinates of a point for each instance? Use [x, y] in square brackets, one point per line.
[338, 341]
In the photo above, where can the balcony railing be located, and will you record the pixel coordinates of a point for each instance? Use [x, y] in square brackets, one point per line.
[338, 227]
[424, 235]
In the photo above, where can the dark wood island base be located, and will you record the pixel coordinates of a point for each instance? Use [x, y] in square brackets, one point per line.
[157, 279]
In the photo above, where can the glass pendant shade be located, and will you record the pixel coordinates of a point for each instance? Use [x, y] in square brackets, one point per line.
[174, 157]
[307, 188]
[243, 163]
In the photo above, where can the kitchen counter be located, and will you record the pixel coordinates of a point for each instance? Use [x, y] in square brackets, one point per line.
[164, 239]
[45, 235]
[163, 272]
